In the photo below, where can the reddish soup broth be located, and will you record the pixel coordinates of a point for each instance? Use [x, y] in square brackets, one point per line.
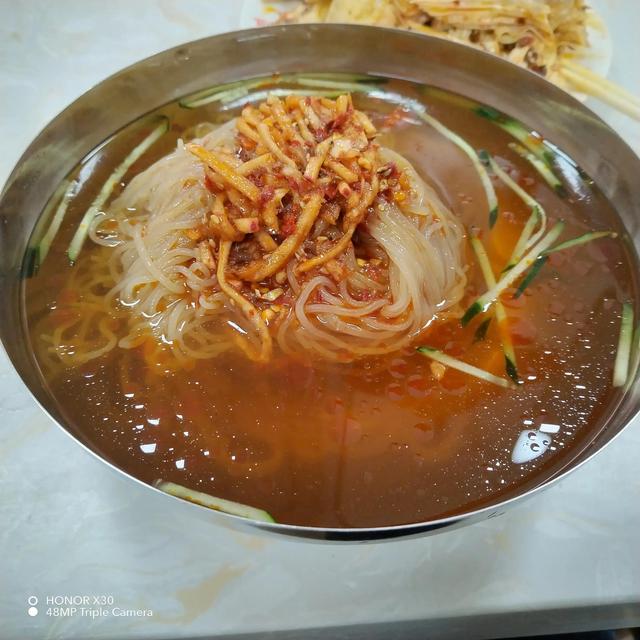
[381, 440]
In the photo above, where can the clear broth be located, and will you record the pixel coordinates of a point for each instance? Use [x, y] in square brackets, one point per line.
[379, 441]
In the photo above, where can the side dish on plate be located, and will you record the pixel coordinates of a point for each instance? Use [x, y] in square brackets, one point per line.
[551, 37]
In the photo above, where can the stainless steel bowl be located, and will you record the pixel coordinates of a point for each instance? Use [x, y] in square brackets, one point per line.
[233, 56]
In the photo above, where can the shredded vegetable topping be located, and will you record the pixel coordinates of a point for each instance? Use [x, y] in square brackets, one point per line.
[454, 363]
[623, 353]
[500, 312]
[211, 502]
[97, 205]
[289, 225]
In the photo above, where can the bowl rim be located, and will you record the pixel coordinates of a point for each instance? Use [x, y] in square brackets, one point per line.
[319, 533]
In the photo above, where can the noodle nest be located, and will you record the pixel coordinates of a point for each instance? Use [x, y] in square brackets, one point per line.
[286, 228]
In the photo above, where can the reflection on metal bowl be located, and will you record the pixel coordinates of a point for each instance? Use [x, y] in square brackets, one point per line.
[337, 48]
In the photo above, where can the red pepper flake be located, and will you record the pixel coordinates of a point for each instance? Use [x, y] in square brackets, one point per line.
[266, 194]
[286, 299]
[393, 170]
[321, 134]
[257, 178]
[373, 271]
[387, 194]
[288, 225]
[294, 184]
[363, 295]
[338, 121]
[246, 143]
[307, 185]
[397, 116]
[331, 190]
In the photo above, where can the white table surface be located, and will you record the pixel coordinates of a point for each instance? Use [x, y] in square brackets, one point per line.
[568, 559]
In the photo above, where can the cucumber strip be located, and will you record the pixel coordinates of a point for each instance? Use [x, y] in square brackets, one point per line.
[107, 188]
[232, 91]
[336, 85]
[320, 88]
[567, 244]
[518, 131]
[499, 310]
[222, 97]
[492, 200]
[542, 168]
[451, 98]
[511, 369]
[48, 212]
[481, 331]
[527, 237]
[454, 363]
[211, 502]
[258, 96]
[634, 362]
[228, 90]
[493, 216]
[45, 243]
[538, 215]
[508, 278]
[33, 256]
[353, 78]
[541, 260]
[623, 352]
[398, 100]
[30, 264]
[583, 239]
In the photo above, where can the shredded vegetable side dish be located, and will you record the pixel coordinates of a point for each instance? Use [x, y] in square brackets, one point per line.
[549, 37]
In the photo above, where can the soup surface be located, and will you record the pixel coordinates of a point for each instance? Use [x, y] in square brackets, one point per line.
[376, 440]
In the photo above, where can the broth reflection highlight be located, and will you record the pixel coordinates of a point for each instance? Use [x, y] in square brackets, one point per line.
[245, 306]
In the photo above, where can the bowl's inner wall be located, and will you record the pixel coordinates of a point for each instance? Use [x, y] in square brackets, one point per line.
[298, 48]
